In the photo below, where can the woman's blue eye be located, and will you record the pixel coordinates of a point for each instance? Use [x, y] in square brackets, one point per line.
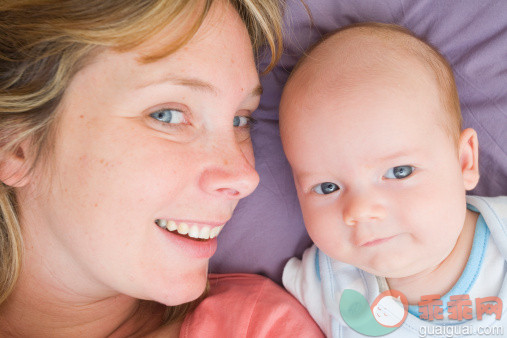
[169, 116]
[243, 121]
[326, 188]
[399, 172]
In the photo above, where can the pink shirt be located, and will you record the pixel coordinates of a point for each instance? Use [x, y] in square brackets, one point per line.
[246, 305]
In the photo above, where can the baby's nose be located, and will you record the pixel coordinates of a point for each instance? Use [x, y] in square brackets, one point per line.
[362, 209]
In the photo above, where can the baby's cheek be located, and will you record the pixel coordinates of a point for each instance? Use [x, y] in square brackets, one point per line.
[334, 244]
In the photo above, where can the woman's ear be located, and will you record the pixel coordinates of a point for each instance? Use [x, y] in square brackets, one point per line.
[469, 157]
[15, 166]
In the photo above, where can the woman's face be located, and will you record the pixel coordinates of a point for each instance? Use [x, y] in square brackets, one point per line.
[140, 144]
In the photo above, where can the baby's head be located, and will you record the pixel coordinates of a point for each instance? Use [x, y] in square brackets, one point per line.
[370, 123]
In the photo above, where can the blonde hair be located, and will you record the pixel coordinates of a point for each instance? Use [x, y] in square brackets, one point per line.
[45, 42]
[424, 51]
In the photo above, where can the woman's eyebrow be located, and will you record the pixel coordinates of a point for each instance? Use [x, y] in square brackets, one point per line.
[257, 91]
[196, 84]
[182, 81]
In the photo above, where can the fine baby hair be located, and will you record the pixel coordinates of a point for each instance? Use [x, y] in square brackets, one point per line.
[407, 43]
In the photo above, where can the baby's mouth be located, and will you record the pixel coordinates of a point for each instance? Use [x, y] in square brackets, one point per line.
[189, 230]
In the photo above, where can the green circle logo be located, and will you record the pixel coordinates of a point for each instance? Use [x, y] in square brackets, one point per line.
[386, 314]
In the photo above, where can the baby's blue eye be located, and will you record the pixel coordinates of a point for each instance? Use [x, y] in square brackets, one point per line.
[169, 116]
[399, 172]
[325, 188]
[243, 121]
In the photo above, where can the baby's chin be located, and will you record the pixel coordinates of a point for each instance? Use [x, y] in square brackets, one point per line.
[379, 265]
[390, 271]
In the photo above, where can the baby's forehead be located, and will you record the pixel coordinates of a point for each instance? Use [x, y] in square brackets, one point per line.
[377, 57]
[353, 61]
[358, 50]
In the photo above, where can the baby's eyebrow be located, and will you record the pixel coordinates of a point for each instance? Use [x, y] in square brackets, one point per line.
[398, 154]
[302, 177]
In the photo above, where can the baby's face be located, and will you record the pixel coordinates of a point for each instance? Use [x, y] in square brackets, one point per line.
[378, 178]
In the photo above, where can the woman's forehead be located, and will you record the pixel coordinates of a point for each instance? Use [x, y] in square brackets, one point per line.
[222, 27]
[215, 56]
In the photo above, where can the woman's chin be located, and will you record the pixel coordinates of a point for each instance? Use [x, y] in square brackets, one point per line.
[185, 289]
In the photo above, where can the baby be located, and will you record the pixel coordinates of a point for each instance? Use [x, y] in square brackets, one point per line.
[370, 122]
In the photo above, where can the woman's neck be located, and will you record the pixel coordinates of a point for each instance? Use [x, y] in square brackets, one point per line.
[441, 278]
[42, 304]
[37, 313]
[55, 298]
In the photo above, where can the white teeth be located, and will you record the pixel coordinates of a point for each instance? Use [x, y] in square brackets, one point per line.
[190, 230]
[193, 232]
[162, 223]
[183, 229]
[215, 231]
[204, 234]
[171, 226]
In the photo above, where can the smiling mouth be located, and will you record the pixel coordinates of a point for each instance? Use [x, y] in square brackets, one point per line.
[189, 230]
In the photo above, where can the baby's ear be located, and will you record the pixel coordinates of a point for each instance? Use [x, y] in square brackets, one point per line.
[469, 157]
[15, 166]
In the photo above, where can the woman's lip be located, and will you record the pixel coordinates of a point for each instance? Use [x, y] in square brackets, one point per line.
[377, 241]
[202, 249]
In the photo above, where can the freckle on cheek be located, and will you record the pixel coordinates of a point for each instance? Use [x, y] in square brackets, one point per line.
[105, 163]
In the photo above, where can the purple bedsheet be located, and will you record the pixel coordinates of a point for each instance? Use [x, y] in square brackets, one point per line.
[267, 227]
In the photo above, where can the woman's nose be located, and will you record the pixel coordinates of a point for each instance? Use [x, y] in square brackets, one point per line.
[362, 208]
[230, 171]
